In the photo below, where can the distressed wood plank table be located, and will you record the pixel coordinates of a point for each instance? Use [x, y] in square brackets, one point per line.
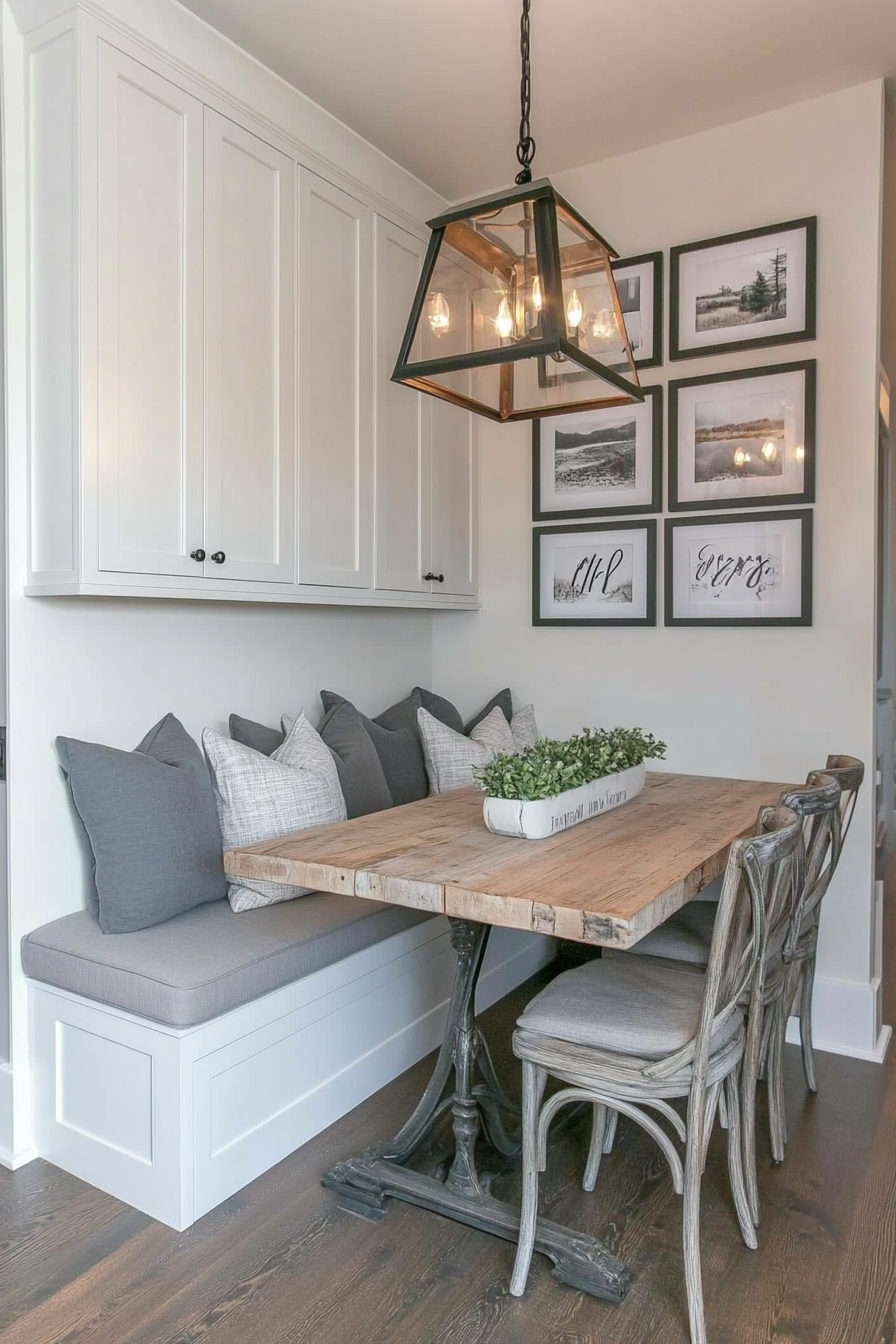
[606, 882]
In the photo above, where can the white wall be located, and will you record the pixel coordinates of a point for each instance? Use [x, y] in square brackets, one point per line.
[888, 273]
[753, 703]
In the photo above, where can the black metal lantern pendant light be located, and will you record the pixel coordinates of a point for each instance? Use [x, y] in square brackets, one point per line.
[516, 314]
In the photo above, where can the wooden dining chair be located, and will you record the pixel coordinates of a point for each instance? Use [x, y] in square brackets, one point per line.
[630, 1035]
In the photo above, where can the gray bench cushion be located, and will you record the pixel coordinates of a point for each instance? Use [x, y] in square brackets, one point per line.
[208, 960]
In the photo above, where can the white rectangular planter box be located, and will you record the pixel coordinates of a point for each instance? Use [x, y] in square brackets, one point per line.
[547, 816]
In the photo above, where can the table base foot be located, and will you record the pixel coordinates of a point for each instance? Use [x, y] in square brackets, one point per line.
[363, 1184]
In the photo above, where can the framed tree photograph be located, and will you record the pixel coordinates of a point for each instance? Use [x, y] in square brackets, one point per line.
[639, 283]
[599, 463]
[742, 439]
[750, 289]
[748, 569]
[594, 574]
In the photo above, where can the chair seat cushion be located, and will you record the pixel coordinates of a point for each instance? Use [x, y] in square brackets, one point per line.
[209, 960]
[629, 1005]
[686, 936]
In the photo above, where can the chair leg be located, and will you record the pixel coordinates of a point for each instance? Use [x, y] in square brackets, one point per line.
[599, 1125]
[693, 1175]
[611, 1132]
[749, 1078]
[716, 1101]
[807, 983]
[777, 1117]
[534, 1080]
[735, 1163]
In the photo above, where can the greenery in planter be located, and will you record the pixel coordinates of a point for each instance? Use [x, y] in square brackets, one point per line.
[552, 767]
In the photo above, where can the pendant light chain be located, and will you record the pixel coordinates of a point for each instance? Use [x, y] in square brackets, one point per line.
[525, 150]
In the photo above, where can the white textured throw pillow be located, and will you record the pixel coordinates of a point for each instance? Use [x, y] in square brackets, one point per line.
[259, 797]
[451, 757]
[524, 728]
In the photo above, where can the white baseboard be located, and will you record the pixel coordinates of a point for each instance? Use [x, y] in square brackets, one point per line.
[6, 1126]
[173, 1122]
[845, 1020]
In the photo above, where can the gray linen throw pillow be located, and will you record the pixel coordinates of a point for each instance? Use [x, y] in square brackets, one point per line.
[364, 785]
[150, 818]
[260, 797]
[255, 735]
[397, 742]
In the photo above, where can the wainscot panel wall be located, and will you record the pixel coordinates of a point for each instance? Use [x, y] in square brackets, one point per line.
[756, 703]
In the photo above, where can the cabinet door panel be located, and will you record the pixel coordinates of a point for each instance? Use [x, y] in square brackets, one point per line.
[402, 424]
[149, 320]
[455, 500]
[250, 378]
[335, 387]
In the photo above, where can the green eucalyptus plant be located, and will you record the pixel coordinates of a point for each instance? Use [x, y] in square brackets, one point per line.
[550, 767]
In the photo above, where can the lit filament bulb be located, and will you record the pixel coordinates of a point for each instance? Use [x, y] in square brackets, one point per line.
[537, 300]
[740, 457]
[504, 320]
[769, 451]
[574, 310]
[439, 314]
[800, 453]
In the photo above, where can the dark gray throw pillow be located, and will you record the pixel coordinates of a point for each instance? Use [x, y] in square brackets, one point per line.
[503, 701]
[152, 824]
[397, 742]
[256, 735]
[361, 775]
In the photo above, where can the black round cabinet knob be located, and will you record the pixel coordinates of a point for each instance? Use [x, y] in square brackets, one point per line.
[198, 554]
[219, 557]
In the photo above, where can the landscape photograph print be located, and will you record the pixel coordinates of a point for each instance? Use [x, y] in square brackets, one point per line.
[598, 463]
[595, 574]
[737, 439]
[744, 290]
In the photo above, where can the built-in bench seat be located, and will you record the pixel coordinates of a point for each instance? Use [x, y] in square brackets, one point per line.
[209, 960]
[173, 1065]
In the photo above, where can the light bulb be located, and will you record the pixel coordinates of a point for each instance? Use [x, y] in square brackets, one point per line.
[604, 326]
[740, 457]
[574, 310]
[800, 453]
[537, 300]
[438, 313]
[504, 320]
[769, 451]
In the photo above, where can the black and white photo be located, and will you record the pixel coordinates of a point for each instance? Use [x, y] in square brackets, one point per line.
[744, 290]
[599, 463]
[748, 569]
[595, 574]
[743, 438]
[639, 284]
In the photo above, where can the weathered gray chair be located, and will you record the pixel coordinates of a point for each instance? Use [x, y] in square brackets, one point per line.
[629, 1035]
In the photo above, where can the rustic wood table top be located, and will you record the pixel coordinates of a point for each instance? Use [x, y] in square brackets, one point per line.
[607, 881]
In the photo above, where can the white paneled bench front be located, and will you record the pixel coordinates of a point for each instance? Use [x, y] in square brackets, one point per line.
[174, 1065]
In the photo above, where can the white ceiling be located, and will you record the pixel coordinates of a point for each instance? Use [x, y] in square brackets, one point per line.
[435, 83]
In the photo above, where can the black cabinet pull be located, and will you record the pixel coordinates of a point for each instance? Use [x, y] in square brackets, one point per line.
[198, 555]
[219, 557]
[427, 578]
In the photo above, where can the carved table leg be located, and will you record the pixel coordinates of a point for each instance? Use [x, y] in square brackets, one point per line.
[363, 1184]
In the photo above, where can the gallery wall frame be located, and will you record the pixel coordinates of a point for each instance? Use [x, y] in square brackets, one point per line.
[749, 569]
[743, 439]
[595, 574]
[646, 334]
[620, 471]
[744, 290]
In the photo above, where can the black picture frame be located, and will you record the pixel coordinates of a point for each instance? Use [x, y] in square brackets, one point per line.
[809, 370]
[655, 505]
[657, 260]
[805, 517]
[647, 525]
[680, 350]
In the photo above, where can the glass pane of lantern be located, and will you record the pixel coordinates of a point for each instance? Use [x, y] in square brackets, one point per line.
[594, 318]
[484, 292]
[528, 386]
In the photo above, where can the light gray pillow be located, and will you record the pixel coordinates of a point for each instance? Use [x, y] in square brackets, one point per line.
[503, 701]
[150, 818]
[452, 757]
[523, 728]
[261, 797]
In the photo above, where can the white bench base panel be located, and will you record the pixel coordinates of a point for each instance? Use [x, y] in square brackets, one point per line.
[173, 1122]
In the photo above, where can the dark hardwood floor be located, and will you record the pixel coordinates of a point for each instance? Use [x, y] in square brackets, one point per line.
[279, 1264]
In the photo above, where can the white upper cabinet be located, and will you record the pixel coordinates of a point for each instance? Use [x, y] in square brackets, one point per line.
[335, 386]
[213, 325]
[250, 356]
[149, 365]
[402, 423]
